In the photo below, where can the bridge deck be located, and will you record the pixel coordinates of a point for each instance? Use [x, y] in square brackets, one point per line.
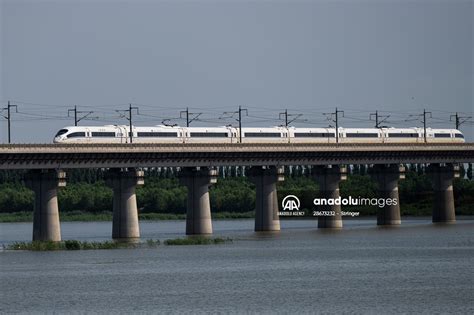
[30, 156]
[219, 147]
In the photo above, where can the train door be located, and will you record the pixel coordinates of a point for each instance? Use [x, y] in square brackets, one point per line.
[182, 135]
[286, 134]
[233, 134]
[236, 138]
[88, 136]
[122, 134]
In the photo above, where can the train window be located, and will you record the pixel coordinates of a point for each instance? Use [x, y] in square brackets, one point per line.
[61, 132]
[403, 135]
[103, 134]
[442, 135]
[157, 134]
[76, 135]
[459, 135]
[263, 135]
[362, 135]
[209, 134]
[314, 135]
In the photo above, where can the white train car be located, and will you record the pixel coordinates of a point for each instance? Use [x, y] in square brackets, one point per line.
[91, 134]
[119, 134]
[443, 135]
[162, 134]
[264, 135]
[176, 134]
[312, 135]
[403, 135]
[360, 135]
[209, 135]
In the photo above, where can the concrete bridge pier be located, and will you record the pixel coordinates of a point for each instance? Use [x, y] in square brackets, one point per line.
[328, 177]
[266, 203]
[198, 213]
[443, 200]
[125, 213]
[45, 183]
[387, 177]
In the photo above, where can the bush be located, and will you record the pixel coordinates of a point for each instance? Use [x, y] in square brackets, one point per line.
[72, 245]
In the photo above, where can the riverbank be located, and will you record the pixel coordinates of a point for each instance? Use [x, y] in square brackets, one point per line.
[84, 245]
[79, 216]
[82, 216]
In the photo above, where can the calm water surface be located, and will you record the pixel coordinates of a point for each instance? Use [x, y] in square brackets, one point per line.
[416, 268]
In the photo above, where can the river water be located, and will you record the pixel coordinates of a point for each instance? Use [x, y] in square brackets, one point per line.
[415, 268]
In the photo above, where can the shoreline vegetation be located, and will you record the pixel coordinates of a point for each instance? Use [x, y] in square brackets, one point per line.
[79, 216]
[84, 245]
[162, 197]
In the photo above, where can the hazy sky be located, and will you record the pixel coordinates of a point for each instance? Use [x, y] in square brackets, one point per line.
[307, 56]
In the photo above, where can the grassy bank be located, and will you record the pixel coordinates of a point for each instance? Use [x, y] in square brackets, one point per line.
[197, 241]
[78, 245]
[79, 216]
[76, 216]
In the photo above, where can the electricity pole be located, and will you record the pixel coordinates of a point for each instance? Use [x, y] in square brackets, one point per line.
[187, 114]
[459, 120]
[8, 118]
[240, 121]
[335, 120]
[76, 120]
[129, 118]
[377, 117]
[231, 114]
[187, 117]
[240, 124]
[288, 122]
[424, 121]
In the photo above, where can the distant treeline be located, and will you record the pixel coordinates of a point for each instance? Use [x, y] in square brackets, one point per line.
[86, 191]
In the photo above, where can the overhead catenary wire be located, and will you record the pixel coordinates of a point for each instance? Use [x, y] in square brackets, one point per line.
[309, 117]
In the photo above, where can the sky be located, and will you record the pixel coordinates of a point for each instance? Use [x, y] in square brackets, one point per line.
[309, 57]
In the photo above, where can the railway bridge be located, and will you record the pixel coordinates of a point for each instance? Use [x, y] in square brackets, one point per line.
[47, 165]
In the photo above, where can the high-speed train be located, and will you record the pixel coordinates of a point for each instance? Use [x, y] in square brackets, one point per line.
[227, 134]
